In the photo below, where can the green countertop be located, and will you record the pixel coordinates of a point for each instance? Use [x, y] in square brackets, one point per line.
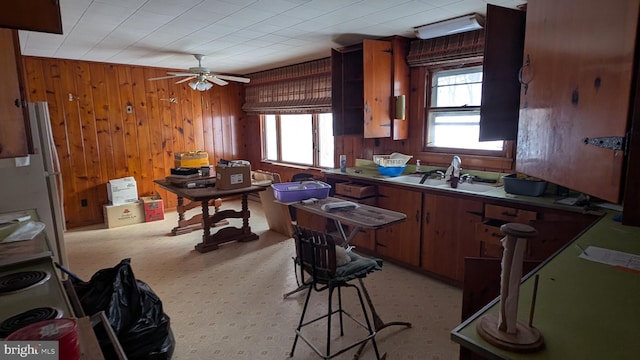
[366, 170]
[584, 309]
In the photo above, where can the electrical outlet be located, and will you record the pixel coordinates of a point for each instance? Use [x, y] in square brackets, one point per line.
[129, 109]
[84, 203]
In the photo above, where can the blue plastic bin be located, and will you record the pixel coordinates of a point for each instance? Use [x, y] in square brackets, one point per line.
[391, 170]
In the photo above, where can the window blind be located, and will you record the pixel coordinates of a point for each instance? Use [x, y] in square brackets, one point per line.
[467, 46]
[300, 88]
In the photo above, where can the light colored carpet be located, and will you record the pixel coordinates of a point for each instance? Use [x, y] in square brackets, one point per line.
[228, 303]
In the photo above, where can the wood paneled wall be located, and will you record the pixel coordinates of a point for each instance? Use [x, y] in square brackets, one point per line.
[98, 139]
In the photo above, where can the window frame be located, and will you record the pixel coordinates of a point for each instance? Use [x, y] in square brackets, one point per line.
[507, 147]
[316, 148]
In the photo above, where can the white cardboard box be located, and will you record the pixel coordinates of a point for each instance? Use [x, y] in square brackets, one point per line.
[121, 215]
[122, 191]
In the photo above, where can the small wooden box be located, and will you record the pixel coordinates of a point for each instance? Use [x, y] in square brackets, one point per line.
[355, 190]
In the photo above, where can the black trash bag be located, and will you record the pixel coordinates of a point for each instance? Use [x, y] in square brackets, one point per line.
[133, 310]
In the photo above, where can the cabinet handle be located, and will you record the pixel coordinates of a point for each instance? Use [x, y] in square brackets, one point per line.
[525, 84]
[506, 213]
[18, 103]
[496, 235]
[427, 217]
[417, 216]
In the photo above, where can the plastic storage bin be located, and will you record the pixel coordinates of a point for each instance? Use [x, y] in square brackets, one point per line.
[391, 170]
[296, 191]
[513, 185]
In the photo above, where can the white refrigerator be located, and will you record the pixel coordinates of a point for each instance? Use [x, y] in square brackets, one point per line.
[35, 181]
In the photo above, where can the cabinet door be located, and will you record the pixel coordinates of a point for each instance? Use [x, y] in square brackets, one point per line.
[35, 15]
[377, 88]
[401, 86]
[579, 64]
[448, 234]
[13, 138]
[400, 241]
[347, 92]
[503, 44]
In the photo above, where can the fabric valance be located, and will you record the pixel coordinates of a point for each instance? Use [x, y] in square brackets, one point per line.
[300, 88]
[468, 46]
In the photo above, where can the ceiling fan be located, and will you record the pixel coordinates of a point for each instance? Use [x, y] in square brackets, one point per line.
[203, 78]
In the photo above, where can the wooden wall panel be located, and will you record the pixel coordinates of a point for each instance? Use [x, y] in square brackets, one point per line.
[97, 140]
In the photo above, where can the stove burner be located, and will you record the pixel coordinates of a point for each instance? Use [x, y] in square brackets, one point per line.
[27, 318]
[22, 280]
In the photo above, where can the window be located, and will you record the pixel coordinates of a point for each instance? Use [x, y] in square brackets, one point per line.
[300, 139]
[454, 112]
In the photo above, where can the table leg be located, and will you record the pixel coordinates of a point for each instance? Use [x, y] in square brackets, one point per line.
[230, 233]
[378, 324]
[185, 225]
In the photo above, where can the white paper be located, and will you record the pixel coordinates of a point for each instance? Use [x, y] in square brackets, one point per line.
[611, 257]
[14, 218]
[25, 232]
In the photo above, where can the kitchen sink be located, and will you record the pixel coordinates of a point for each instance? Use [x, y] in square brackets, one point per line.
[415, 179]
[472, 187]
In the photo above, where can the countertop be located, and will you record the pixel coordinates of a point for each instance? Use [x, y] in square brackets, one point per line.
[584, 309]
[366, 170]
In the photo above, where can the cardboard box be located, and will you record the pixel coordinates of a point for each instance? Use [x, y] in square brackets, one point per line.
[153, 208]
[122, 215]
[191, 159]
[233, 177]
[122, 191]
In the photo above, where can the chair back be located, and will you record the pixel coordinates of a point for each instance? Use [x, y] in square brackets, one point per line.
[316, 252]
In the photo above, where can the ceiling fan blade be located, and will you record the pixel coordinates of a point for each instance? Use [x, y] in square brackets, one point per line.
[186, 79]
[214, 79]
[181, 73]
[163, 77]
[233, 78]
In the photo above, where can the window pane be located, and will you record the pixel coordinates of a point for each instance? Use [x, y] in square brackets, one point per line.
[457, 88]
[458, 130]
[297, 138]
[270, 137]
[325, 139]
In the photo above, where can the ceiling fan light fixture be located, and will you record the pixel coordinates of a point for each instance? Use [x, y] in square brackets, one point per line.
[200, 85]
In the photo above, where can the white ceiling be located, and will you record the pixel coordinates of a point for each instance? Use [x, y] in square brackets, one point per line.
[237, 36]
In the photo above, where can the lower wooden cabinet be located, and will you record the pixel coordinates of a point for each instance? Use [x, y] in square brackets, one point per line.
[442, 230]
[401, 241]
[555, 228]
[448, 234]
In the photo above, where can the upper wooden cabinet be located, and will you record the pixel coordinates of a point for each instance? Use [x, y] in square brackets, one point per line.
[13, 135]
[34, 15]
[503, 46]
[578, 67]
[365, 81]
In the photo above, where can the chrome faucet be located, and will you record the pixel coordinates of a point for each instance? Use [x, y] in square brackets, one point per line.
[453, 172]
[468, 178]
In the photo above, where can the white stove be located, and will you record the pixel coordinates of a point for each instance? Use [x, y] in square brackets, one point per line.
[30, 291]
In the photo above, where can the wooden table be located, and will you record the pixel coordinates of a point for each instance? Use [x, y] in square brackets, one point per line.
[204, 195]
[363, 217]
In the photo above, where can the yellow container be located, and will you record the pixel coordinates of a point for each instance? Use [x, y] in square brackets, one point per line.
[191, 159]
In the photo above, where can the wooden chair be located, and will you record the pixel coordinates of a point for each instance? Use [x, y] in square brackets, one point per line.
[316, 256]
